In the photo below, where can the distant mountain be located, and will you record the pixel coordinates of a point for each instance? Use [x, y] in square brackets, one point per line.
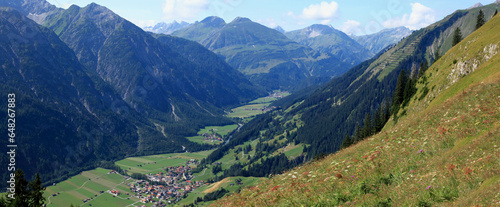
[265, 55]
[380, 40]
[127, 57]
[199, 31]
[36, 10]
[476, 5]
[326, 39]
[279, 29]
[166, 28]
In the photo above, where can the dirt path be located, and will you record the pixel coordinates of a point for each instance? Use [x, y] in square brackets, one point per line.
[216, 186]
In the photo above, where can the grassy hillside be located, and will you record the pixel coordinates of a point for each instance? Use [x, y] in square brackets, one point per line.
[445, 151]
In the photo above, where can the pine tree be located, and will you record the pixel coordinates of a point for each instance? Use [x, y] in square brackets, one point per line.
[367, 128]
[457, 36]
[423, 67]
[496, 12]
[22, 195]
[480, 19]
[347, 142]
[357, 134]
[436, 55]
[36, 192]
[398, 97]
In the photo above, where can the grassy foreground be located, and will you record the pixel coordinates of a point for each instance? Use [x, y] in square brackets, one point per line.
[444, 152]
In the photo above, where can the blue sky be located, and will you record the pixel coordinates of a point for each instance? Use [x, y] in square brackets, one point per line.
[353, 17]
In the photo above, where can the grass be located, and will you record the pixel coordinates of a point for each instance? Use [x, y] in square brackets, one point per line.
[254, 107]
[226, 184]
[83, 186]
[247, 110]
[222, 130]
[445, 152]
[89, 183]
[155, 163]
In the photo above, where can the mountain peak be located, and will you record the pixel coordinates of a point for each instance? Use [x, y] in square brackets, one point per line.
[477, 5]
[279, 29]
[213, 20]
[319, 29]
[241, 19]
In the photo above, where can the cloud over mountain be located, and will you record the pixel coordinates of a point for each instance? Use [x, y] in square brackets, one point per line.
[421, 16]
[185, 10]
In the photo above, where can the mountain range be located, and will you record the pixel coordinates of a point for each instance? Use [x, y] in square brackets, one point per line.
[92, 88]
[328, 40]
[319, 120]
[380, 40]
[166, 28]
[110, 74]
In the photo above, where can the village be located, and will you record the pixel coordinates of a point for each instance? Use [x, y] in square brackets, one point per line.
[166, 187]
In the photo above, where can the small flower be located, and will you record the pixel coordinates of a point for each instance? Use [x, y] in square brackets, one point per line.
[428, 187]
[420, 151]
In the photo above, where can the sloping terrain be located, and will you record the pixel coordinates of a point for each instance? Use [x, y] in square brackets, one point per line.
[65, 120]
[444, 152]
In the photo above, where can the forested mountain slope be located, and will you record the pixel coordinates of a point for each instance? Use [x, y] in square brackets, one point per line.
[65, 120]
[356, 105]
[444, 151]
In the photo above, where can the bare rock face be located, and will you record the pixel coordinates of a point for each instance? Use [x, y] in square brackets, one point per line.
[37, 10]
[465, 67]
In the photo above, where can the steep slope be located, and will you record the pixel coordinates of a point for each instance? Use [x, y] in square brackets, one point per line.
[148, 75]
[380, 40]
[265, 55]
[335, 110]
[166, 28]
[444, 152]
[65, 120]
[319, 122]
[326, 39]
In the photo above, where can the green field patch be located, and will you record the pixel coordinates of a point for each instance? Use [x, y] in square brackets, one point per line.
[83, 192]
[95, 187]
[247, 111]
[108, 200]
[294, 151]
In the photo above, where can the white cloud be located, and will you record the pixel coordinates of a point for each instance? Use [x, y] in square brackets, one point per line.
[421, 16]
[323, 11]
[351, 27]
[184, 10]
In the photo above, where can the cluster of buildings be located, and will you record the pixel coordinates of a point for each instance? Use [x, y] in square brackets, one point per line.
[169, 186]
[212, 137]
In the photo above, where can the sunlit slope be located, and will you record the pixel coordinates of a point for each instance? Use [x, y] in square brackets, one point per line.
[445, 152]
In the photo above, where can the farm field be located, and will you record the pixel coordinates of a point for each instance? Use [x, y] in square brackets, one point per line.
[221, 130]
[155, 163]
[88, 185]
[257, 106]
